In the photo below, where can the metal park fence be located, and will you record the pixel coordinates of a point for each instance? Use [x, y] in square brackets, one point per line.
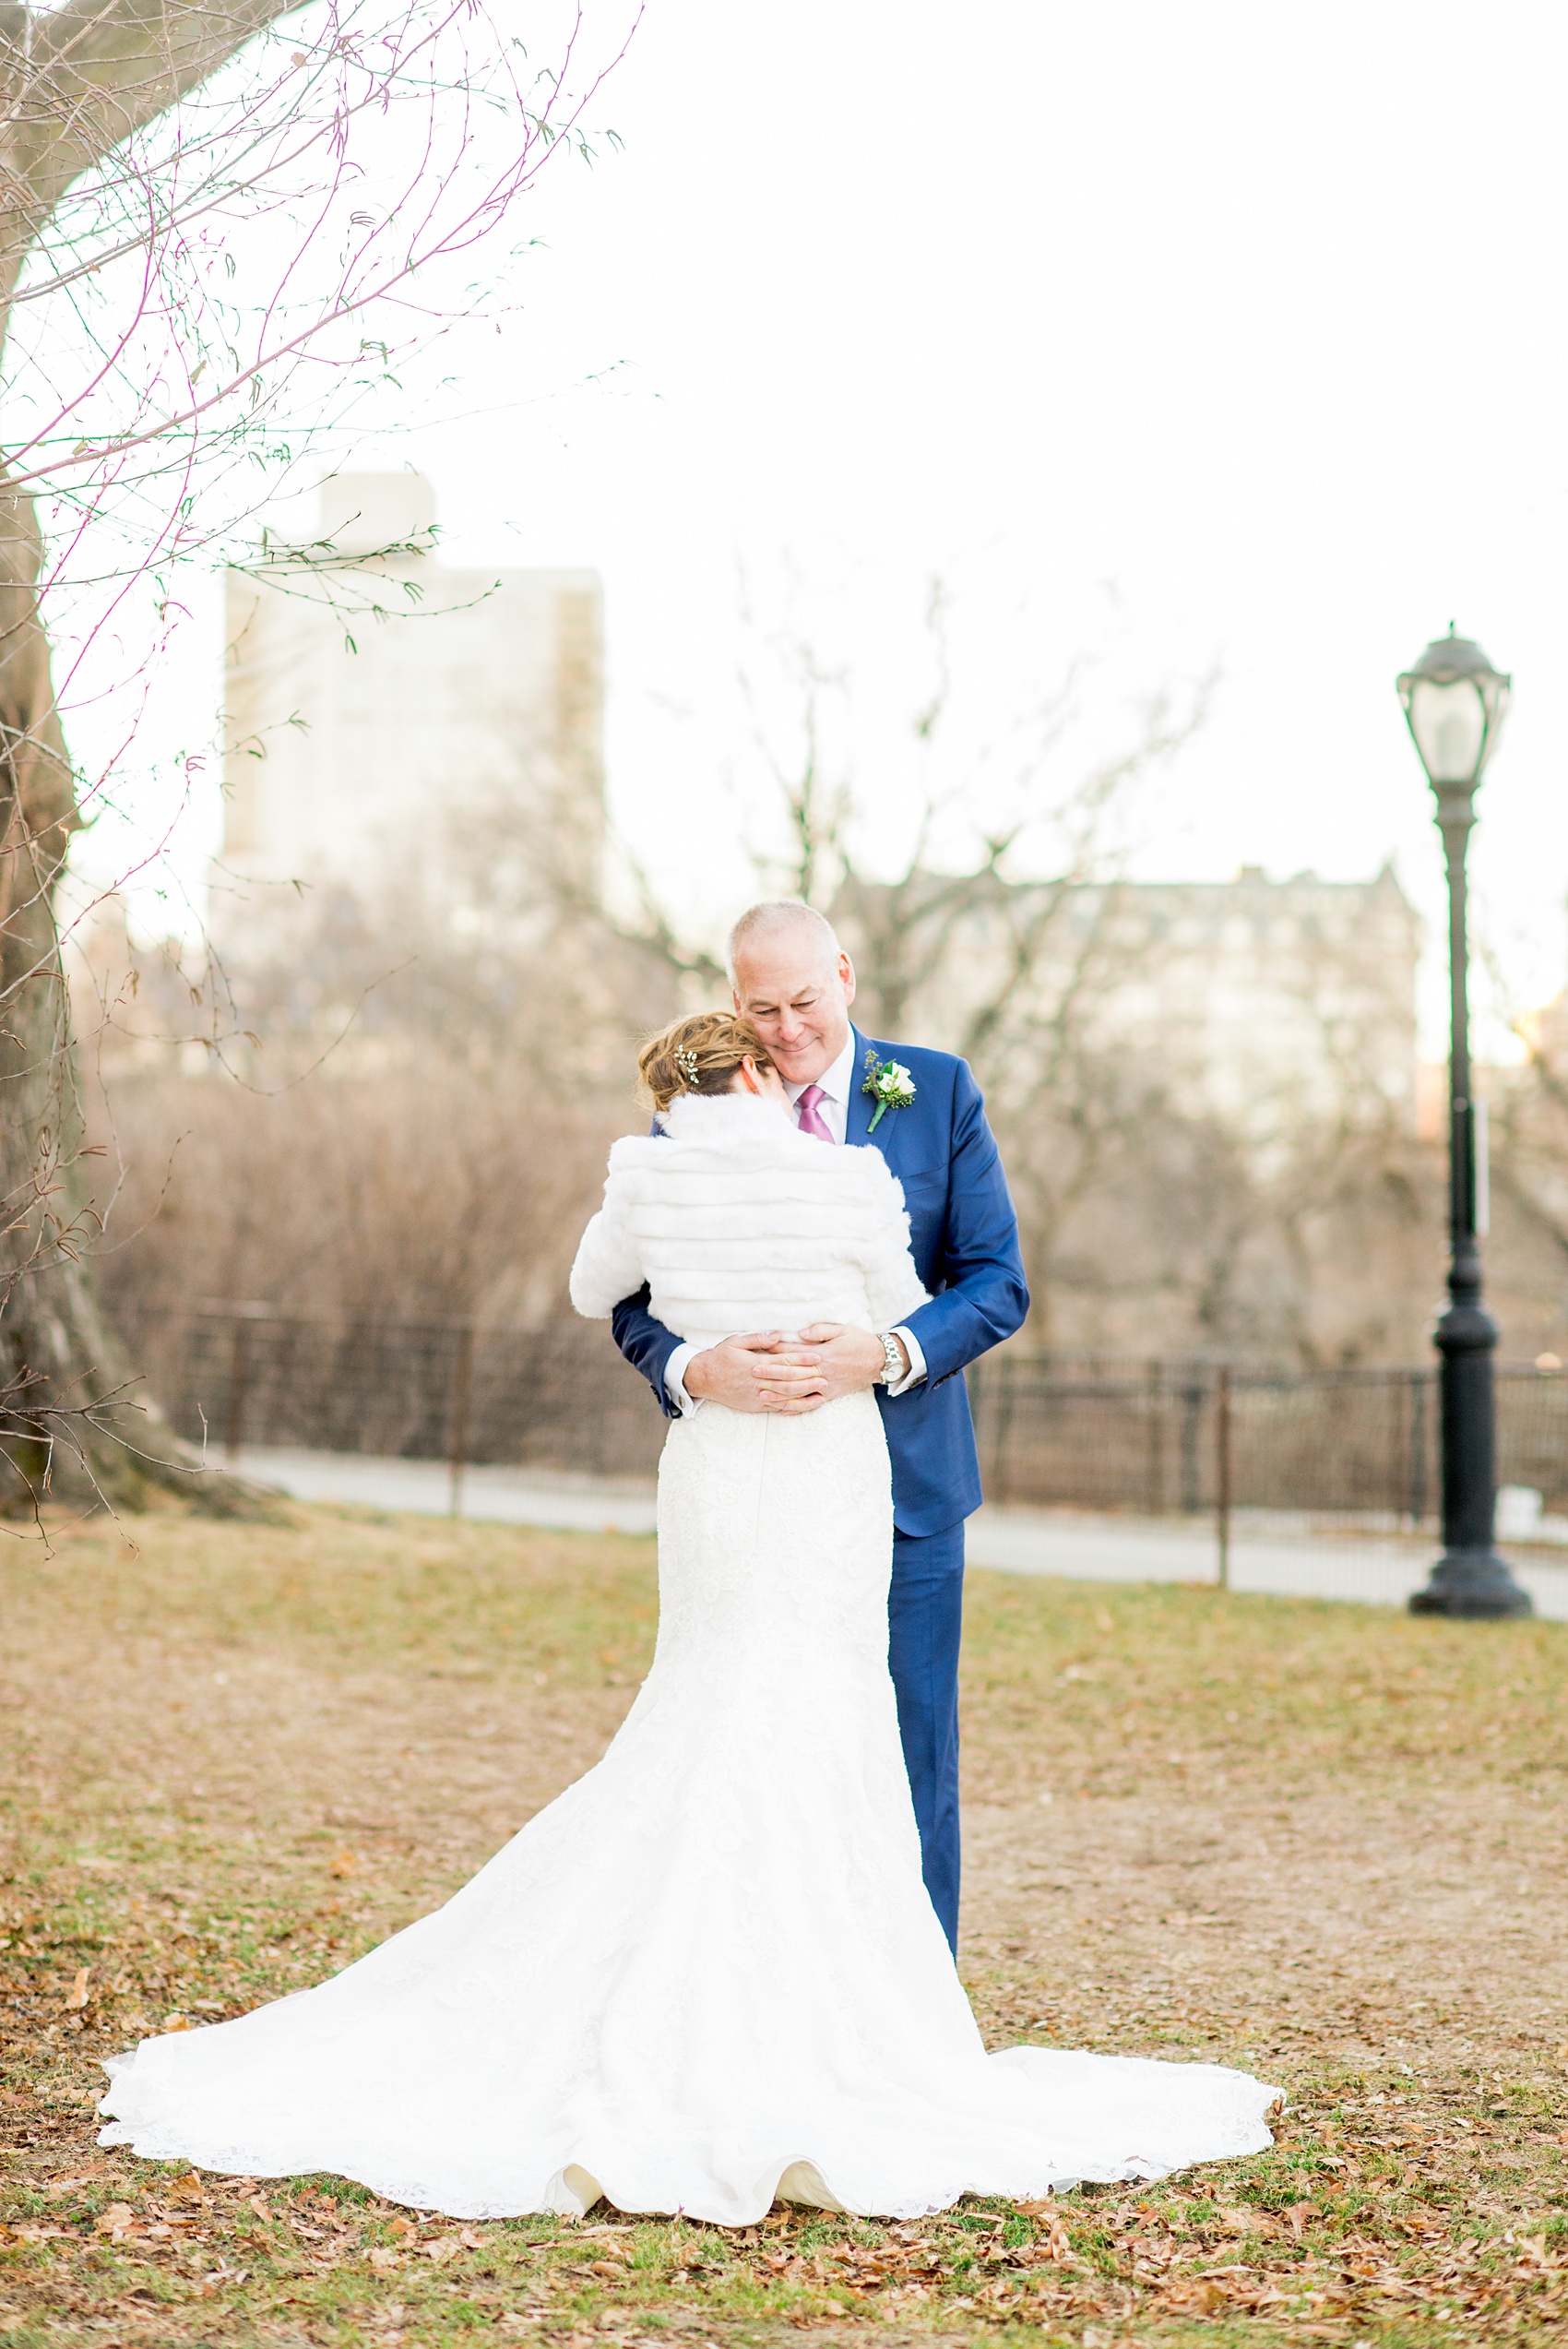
[1182, 1437]
[1158, 1438]
[449, 1390]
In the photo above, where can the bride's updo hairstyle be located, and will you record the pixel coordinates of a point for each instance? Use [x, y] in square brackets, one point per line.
[698, 1054]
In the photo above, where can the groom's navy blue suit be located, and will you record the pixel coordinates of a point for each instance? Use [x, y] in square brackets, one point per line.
[964, 1237]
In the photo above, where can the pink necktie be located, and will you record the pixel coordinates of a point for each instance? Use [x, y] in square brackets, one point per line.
[809, 1117]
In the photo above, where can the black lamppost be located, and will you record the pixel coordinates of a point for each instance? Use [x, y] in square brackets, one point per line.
[1455, 702]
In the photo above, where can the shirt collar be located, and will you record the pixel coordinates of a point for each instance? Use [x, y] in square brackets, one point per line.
[833, 1080]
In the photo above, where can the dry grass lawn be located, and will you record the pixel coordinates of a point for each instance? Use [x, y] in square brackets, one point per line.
[1324, 1841]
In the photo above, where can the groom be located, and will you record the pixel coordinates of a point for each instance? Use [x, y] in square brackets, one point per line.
[795, 984]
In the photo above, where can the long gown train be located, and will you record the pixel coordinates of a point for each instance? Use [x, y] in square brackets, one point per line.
[709, 1974]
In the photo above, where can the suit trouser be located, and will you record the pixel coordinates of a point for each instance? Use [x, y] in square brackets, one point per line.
[925, 1617]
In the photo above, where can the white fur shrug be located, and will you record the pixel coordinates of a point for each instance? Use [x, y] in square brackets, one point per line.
[737, 1221]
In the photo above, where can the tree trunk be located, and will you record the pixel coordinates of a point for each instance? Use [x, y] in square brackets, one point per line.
[73, 1426]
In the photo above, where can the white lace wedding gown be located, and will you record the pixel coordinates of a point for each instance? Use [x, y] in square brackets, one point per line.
[709, 1974]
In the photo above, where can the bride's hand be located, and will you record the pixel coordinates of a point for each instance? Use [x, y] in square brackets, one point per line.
[741, 1373]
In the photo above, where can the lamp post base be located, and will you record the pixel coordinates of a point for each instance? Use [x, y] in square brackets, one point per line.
[1475, 1583]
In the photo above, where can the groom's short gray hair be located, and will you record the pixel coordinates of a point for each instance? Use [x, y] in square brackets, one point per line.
[781, 913]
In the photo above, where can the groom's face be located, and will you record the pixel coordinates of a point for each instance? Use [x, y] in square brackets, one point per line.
[797, 1000]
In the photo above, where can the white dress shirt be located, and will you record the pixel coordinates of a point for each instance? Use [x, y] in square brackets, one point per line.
[833, 1110]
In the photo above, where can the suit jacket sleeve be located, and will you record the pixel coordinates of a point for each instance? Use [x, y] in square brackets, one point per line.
[985, 1295]
[647, 1345]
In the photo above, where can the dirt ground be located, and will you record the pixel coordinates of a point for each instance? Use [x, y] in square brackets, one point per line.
[1324, 1841]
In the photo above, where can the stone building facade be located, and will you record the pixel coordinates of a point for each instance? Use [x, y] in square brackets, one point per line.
[1265, 1003]
[1294, 997]
[394, 727]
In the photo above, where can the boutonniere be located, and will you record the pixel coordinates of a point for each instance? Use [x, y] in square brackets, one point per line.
[889, 1084]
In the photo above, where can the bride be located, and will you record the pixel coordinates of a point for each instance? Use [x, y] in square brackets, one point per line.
[709, 1973]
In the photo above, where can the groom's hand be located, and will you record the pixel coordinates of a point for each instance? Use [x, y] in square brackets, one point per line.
[828, 1360]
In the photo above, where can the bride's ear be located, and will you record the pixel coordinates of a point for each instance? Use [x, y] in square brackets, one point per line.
[749, 1076]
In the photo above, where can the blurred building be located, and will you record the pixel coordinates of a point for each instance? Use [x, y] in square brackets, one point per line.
[1269, 1003]
[1265, 995]
[402, 736]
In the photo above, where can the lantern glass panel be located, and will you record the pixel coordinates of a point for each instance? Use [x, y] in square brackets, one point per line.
[1449, 724]
[1495, 691]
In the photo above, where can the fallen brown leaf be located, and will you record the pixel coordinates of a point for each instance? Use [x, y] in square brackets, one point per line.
[1197, 2295]
[224, 2273]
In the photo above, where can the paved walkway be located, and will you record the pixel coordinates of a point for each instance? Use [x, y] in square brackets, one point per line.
[1288, 1565]
[495, 1495]
[1266, 1556]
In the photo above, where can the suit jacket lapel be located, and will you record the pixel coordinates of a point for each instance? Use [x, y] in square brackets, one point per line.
[862, 1108]
[858, 1121]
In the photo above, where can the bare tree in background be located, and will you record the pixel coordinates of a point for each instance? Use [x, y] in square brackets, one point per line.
[146, 389]
[1005, 970]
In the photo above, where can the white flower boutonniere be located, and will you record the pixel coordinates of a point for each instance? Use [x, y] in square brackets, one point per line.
[889, 1084]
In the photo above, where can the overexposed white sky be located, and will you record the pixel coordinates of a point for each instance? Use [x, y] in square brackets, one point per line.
[1174, 340]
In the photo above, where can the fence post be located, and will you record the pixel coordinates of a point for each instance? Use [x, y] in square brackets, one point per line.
[1154, 1492]
[462, 1388]
[1191, 1412]
[239, 1381]
[1222, 1466]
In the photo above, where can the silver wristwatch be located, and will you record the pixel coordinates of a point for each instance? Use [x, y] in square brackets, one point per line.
[894, 1367]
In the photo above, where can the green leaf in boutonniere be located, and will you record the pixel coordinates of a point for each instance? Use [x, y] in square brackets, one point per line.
[889, 1084]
